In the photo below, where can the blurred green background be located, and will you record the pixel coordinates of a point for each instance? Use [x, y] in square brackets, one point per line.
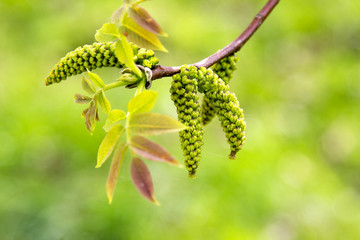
[298, 80]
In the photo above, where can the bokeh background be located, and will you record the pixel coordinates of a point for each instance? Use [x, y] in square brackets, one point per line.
[298, 80]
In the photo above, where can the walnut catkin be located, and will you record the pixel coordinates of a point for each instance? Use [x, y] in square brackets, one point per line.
[184, 95]
[226, 106]
[94, 56]
[224, 69]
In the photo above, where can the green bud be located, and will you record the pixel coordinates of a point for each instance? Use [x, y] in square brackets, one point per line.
[128, 79]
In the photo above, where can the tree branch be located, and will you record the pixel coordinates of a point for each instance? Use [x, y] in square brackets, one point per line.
[235, 46]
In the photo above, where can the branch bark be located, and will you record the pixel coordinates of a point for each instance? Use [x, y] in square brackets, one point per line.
[233, 47]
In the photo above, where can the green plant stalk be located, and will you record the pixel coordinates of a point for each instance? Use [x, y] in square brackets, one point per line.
[141, 87]
[114, 85]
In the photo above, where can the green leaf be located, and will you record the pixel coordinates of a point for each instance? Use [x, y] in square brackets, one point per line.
[91, 117]
[81, 99]
[88, 86]
[96, 79]
[141, 177]
[143, 102]
[142, 37]
[153, 124]
[104, 102]
[150, 150]
[142, 18]
[125, 54]
[107, 33]
[114, 170]
[114, 117]
[108, 144]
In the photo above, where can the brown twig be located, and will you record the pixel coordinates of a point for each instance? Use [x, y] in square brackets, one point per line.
[235, 46]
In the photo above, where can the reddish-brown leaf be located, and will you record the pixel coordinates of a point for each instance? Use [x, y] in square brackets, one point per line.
[141, 36]
[90, 117]
[141, 177]
[140, 16]
[114, 170]
[84, 112]
[150, 150]
[82, 99]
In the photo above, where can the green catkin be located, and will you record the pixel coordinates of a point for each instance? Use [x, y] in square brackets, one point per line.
[184, 95]
[94, 56]
[227, 108]
[224, 69]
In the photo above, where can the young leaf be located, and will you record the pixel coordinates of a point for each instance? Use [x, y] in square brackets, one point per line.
[142, 37]
[114, 117]
[150, 150]
[153, 124]
[142, 18]
[125, 54]
[144, 102]
[142, 179]
[90, 117]
[84, 112]
[81, 99]
[115, 18]
[97, 115]
[114, 170]
[96, 79]
[88, 86]
[104, 102]
[128, 79]
[108, 144]
[107, 33]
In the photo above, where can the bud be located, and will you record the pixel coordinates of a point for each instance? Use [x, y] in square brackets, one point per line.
[128, 79]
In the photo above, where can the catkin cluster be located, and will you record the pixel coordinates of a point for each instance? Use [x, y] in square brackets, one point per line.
[94, 56]
[227, 108]
[184, 94]
[224, 69]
